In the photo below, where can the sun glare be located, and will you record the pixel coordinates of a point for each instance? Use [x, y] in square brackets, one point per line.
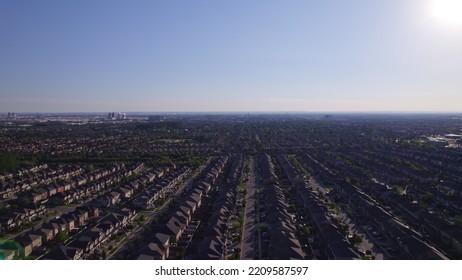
[449, 11]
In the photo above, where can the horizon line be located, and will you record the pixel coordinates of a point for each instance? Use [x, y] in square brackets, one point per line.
[234, 112]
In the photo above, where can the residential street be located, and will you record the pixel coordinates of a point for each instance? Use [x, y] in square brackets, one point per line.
[248, 240]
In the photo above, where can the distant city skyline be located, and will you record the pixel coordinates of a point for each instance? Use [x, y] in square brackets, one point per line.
[230, 56]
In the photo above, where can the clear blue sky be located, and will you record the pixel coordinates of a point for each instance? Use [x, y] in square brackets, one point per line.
[227, 55]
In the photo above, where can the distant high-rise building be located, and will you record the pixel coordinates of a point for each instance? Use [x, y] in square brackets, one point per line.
[118, 117]
[111, 116]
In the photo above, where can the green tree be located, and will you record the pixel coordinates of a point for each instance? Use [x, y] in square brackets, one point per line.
[307, 230]
[458, 221]
[398, 189]
[356, 239]
[427, 198]
[61, 237]
[91, 168]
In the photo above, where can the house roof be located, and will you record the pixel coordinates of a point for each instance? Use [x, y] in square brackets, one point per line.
[28, 238]
[174, 226]
[288, 253]
[51, 226]
[211, 248]
[161, 238]
[62, 253]
[181, 216]
[81, 243]
[153, 251]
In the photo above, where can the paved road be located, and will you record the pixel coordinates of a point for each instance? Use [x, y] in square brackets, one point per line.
[248, 241]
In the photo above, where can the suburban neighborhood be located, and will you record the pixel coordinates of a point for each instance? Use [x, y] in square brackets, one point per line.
[230, 186]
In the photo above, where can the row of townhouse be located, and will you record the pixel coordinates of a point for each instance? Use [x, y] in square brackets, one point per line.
[35, 240]
[177, 148]
[410, 243]
[237, 169]
[331, 238]
[146, 199]
[65, 191]
[438, 229]
[41, 178]
[213, 245]
[85, 191]
[317, 169]
[115, 195]
[289, 170]
[213, 171]
[93, 238]
[170, 231]
[266, 168]
[281, 234]
[43, 193]
[16, 219]
[283, 243]
[20, 172]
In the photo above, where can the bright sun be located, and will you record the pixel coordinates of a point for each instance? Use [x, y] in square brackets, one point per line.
[449, 11]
